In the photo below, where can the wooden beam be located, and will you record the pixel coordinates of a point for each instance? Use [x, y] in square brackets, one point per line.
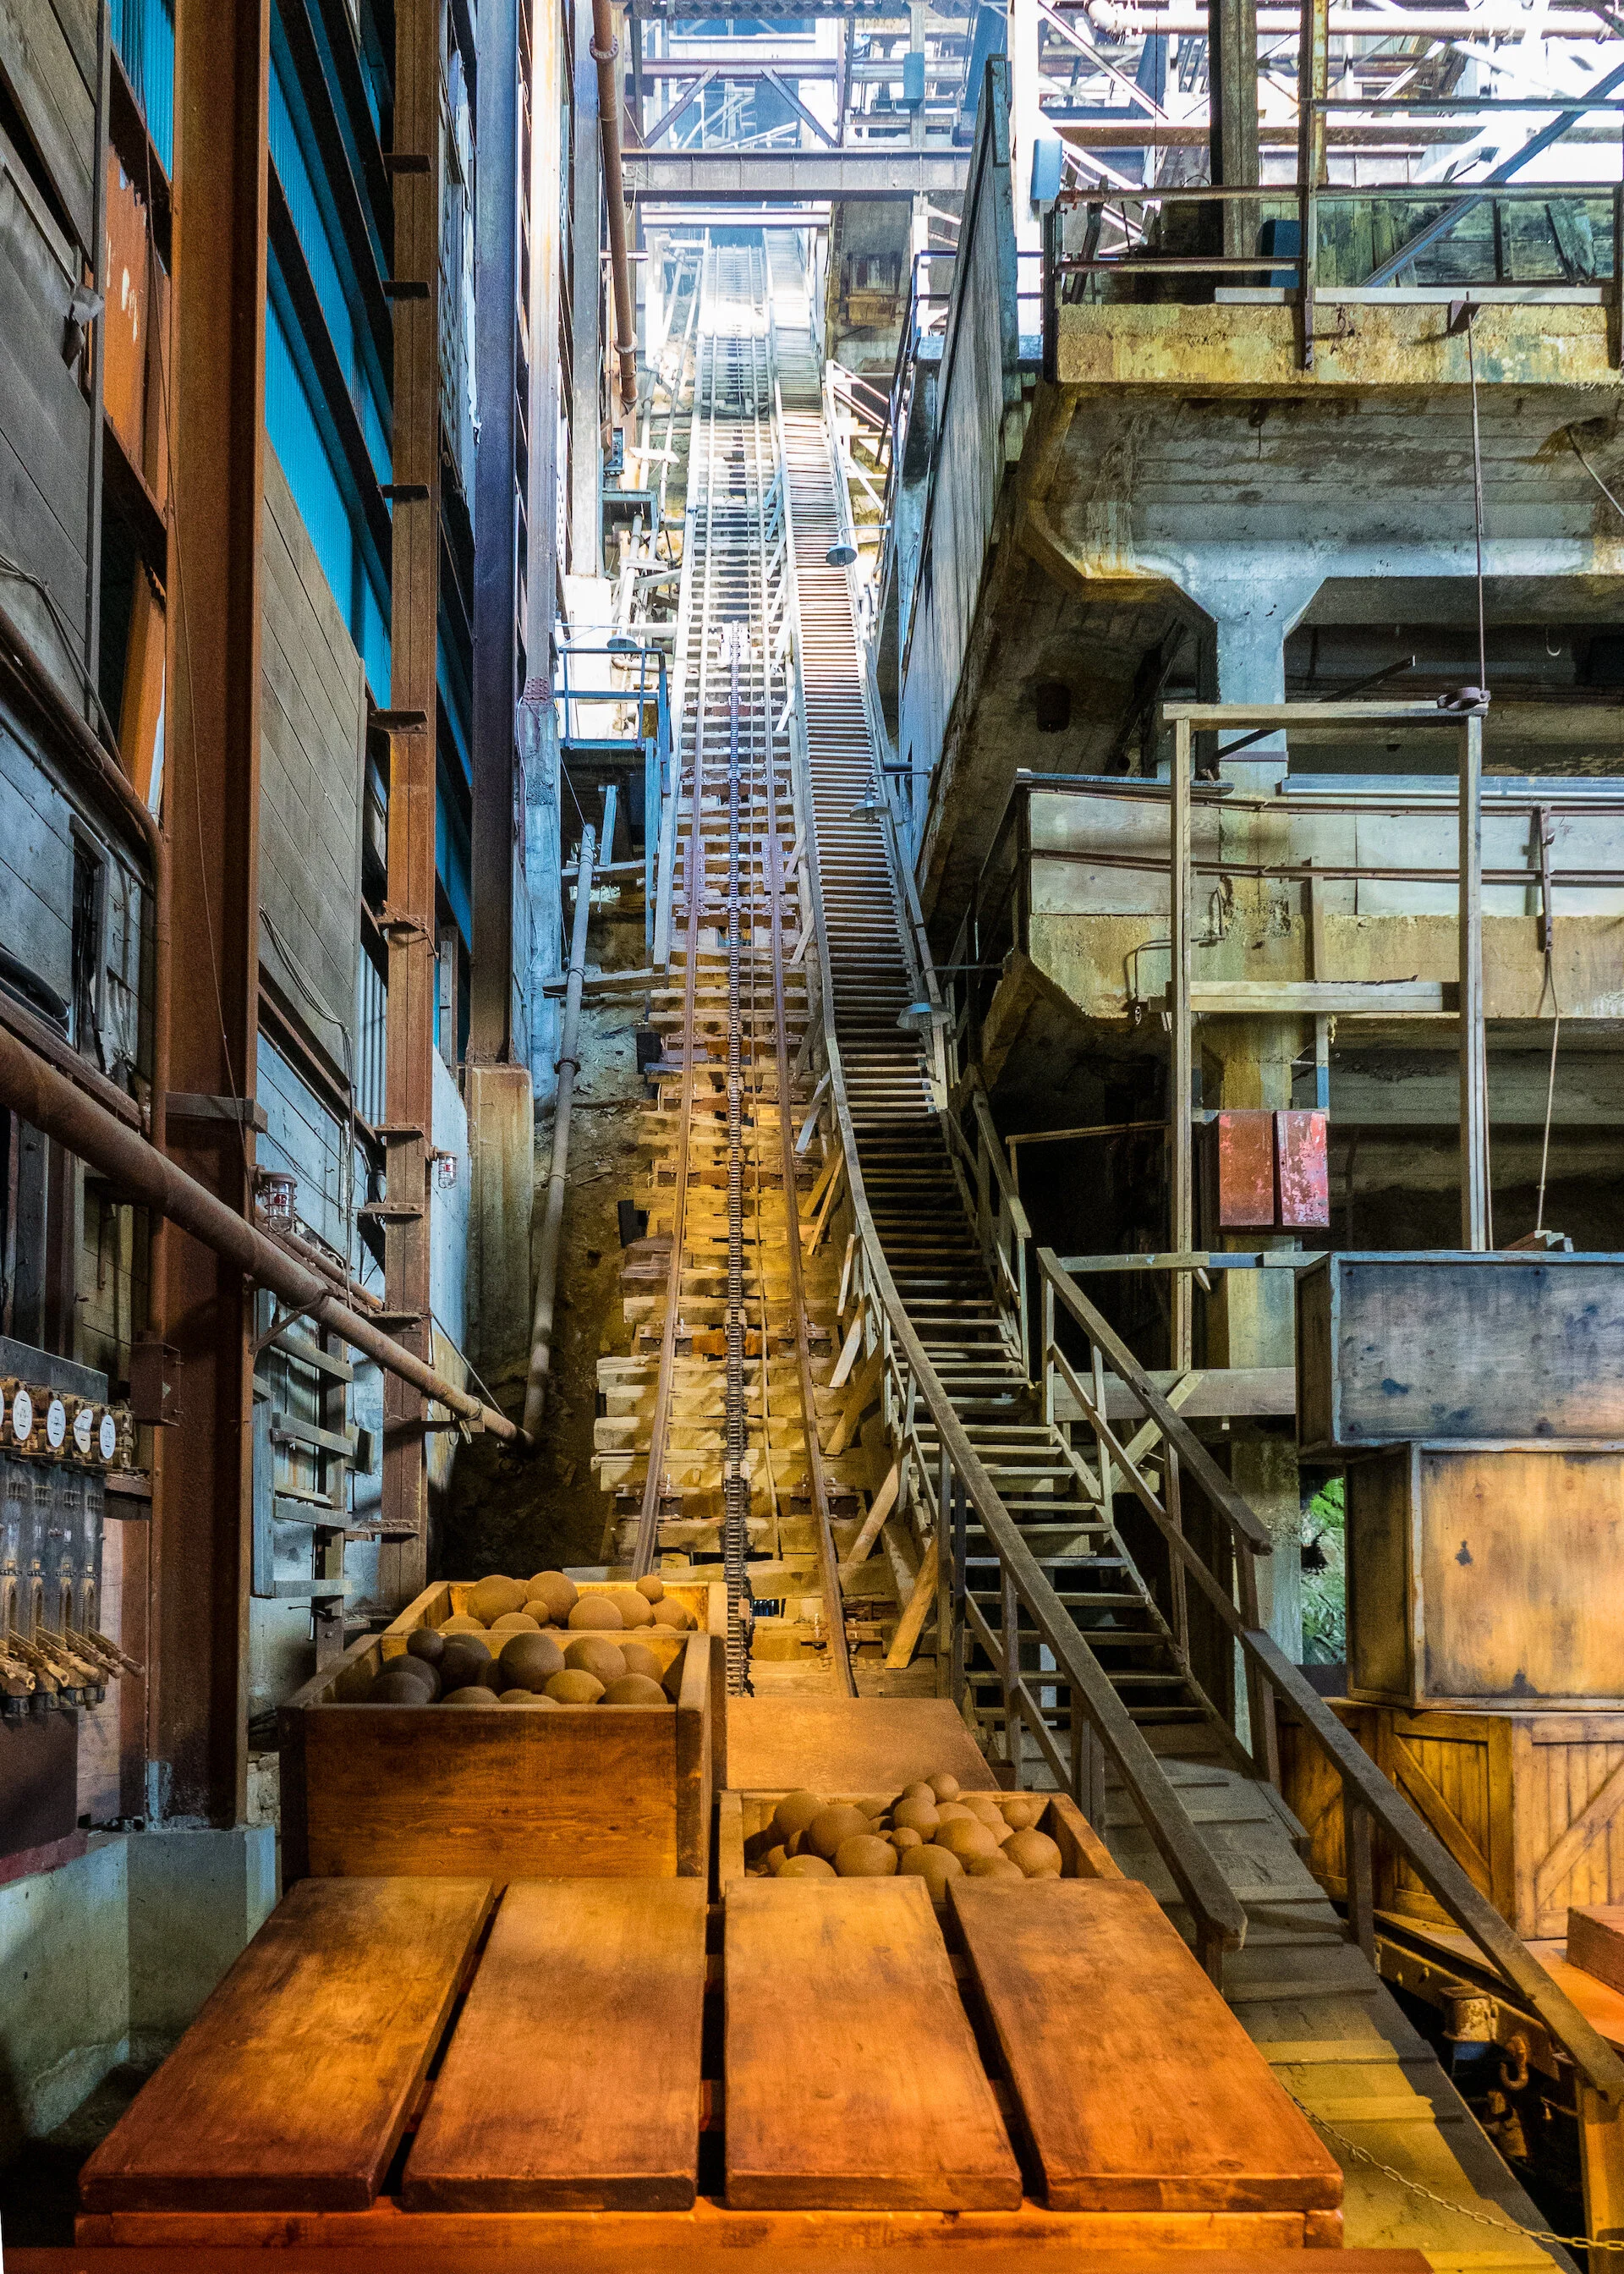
[911, 1625]
[203, 1470]
[409, 915]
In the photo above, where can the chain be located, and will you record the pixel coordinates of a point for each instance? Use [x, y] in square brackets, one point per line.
[1457, 2211]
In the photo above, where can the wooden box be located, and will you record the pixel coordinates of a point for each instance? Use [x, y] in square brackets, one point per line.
[1530, 1806]
[705, 1602]
[499, 1792]
[1485, 1574]
[1457, 1346]
[743, 1819]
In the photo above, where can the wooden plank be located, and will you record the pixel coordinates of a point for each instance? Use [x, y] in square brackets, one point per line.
[700, 2241]
[291, 2090]
[852, 2079]
[519, 2120]
[1596, 1942]
[915, 1611]
[1139, 2090]
[847, 1745]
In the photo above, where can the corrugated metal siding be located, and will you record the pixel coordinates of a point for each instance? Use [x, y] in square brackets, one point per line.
[143, 36]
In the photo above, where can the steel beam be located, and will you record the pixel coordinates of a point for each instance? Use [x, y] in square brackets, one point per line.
[203, 1485]
[408, 921]
[704, 175]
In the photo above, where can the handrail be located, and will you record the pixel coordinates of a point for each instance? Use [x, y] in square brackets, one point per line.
[1099, 1717]
[1364, 1786]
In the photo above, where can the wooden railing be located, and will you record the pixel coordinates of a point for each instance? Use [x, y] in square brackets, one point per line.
[1369, 1800]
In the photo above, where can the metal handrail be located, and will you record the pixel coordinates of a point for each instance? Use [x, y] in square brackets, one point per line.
[1100, 1722]
[1367, 1794]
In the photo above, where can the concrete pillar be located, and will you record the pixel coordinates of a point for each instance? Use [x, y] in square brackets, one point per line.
[1253, 616]
[1026, 122]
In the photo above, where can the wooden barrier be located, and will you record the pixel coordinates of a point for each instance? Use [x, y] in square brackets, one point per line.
[504, 1791]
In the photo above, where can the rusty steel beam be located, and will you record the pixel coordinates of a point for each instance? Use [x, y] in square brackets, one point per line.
[203, 1470]
[605, 49]
[48, 1101]
[409, 915]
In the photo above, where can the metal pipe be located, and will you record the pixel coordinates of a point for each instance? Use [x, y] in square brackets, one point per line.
[551, 1223]
[606, 47]
[1122, 19]
[51, 1104]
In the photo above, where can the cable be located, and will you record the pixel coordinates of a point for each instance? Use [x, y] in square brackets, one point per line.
[1594, 476]
[9, 568]
[1471, 365]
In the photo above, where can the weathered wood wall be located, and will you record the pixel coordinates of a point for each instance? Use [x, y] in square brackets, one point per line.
[311, 763]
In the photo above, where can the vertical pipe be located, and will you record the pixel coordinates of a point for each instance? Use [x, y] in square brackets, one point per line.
[1179, 1104]
[551, 1223]
[1474, 1054]
[1312, 72]
[604, 49]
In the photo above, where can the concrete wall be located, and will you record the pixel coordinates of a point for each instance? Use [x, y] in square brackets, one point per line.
[112, 1956]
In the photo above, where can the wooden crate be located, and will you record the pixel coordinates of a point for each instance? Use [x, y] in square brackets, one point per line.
[743, 1819]
[501, 1792]
[1530, 1806]
[1485, 1574]
[1459, 1346]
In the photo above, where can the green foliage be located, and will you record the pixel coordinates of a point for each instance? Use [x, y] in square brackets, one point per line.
[1325, 1577]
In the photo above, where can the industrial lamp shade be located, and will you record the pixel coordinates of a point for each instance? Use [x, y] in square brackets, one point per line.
[841, 556]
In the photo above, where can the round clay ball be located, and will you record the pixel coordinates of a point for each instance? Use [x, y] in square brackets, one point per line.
[904, 1838]
[428, 1645]
[529, 1661]
[1022, 1810]
[633, 1689]
[460, 1623]
[475, 1693]
[993, 1867]
[597, 1612]
[488, 1598]
[669, 1613]
[415, 1669]
[774, 1860]
[936, 1866]
[965, 1837]
[918, 1791]
[873, 1808]
[636, 1610]
[515, 1622]
[466, 1659]
[1036, 1854]
[915, 1816]
[651, 1586]
[866, 1856]
[944, 1787]
[954, 1811]
[516, 1697]
[541, 1612]
[573, 1687]
[596, 1655]
[807, 1867]
[831, 1826]
[794, 1812]
[391, 1688]
[560, 1595]
[640, 1659]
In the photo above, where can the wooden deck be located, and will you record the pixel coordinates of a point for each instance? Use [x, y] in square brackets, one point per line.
[1336, 2039]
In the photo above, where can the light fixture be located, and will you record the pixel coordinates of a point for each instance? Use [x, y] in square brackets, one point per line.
[841, 556]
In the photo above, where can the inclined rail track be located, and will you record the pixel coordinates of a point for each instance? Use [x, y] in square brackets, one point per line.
[732, 789]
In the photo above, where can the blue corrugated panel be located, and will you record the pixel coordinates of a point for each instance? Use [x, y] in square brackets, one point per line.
[452, 856]
[144, 37]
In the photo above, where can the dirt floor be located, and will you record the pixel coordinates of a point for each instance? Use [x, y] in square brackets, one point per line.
[522, 1516]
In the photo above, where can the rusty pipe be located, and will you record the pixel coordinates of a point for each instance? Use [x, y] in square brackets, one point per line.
[51, 1104]
[606, 48]
[553, 1219]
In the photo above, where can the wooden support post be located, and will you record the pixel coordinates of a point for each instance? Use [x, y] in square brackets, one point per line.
[1475, 1203]
[408, 1086]
[1232, 72]
[1008, 1636]
[203, 1497]
[1601, 2166]
[1181, 1100]
[922, 1598]
[879, 1509]
[1361, 1875]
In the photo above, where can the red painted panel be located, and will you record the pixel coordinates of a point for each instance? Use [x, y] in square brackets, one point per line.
[1301, 1162]
[1243, 1152]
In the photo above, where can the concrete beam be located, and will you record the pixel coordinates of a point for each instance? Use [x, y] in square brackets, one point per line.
[692, 176]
